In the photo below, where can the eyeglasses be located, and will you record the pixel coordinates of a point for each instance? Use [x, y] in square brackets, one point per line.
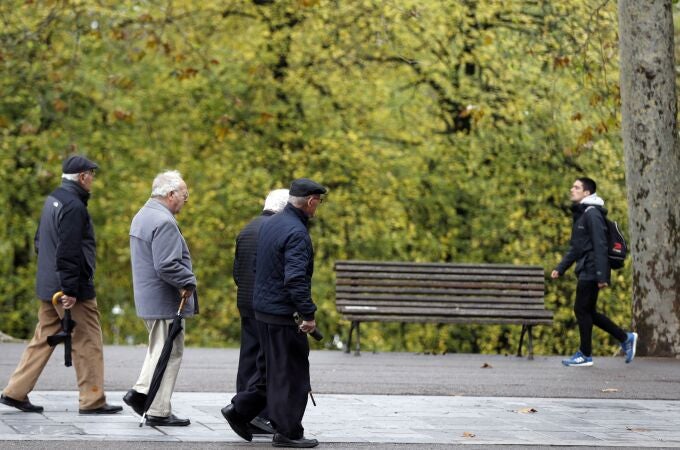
[185, 194]
[320, 199]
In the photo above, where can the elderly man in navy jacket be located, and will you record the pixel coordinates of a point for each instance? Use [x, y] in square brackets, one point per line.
[162, 275]
[283, 281]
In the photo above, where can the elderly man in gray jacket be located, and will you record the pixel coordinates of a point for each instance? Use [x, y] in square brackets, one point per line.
[161, 275]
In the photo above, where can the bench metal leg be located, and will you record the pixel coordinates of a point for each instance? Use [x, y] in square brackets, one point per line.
[526, 329]
[357, 352]
[349, 337]
[355, 324]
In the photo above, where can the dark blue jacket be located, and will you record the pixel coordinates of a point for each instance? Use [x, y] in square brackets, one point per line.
[244, 263]
[65, 244]
[588, 244]
[284, 266]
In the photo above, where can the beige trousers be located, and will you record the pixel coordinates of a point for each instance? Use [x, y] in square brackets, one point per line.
[158, 333]
[87, 353]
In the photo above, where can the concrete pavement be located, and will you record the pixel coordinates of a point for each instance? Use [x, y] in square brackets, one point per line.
[385, 400]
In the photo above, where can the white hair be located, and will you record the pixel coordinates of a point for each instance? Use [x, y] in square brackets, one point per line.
[166, 182]
[70, 176]
[298, 202]
[276, 200]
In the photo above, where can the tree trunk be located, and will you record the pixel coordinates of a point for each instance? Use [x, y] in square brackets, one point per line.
[652, 157]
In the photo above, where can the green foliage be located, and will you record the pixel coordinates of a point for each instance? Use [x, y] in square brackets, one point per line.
[446, 131]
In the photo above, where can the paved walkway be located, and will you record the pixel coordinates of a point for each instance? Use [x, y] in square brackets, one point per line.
[384, 400]
[377, 419]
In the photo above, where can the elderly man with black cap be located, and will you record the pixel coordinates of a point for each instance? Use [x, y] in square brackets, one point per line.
[283, 278]
[65, 244]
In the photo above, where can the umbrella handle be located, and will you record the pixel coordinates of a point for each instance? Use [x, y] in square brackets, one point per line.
[56, 297]
[181, 305]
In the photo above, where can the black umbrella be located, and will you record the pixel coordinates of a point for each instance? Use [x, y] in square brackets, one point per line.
[67, 325]
[162, 363]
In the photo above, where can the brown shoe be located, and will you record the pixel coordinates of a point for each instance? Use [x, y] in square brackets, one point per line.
[22, 405]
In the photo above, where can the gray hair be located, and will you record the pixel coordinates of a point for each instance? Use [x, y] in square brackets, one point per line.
[166, 182]
[70, 176]
[298, 202]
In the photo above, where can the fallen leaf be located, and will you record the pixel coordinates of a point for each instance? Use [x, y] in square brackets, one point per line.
[487, 366]
[527, 411]
[610, 390]
[467, 434]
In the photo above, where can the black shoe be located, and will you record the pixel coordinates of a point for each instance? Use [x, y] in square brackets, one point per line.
[135, 400]
[260, 425]
[170, 421]
[236, 423]
[106, 409]
[280, 440]
[24, 405]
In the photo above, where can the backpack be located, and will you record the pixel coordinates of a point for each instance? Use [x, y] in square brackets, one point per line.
[617, 249]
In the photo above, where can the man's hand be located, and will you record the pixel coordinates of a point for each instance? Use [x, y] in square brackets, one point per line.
[602, 285]
[554, 274]
[185, 293]
[67, 301]
[307, 326]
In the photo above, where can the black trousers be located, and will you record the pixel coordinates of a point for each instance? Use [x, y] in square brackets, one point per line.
[248, 357]
[283, 383]
[587, 316]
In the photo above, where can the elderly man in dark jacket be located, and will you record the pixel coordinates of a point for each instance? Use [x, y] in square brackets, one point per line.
[162, 275]
[244, 277]
[284, 268]
[66, 246]
[588, 249]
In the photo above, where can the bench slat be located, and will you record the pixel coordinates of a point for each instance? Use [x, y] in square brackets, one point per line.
[388, 310]
[437, 283]
[444, 319]
[430, 265]
[342, 275]
[425, 306]
[364, 298]
[470, 292]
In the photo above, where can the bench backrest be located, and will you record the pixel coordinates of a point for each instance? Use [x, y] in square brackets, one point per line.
[440, 292]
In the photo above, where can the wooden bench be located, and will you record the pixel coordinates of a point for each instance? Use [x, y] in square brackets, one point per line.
[371, 291]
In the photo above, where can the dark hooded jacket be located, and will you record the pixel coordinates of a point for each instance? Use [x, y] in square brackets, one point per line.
[284, 267]
[65, 244]
[588, 244]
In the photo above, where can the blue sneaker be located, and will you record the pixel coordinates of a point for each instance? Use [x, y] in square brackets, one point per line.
[578, 360]
[629, 346]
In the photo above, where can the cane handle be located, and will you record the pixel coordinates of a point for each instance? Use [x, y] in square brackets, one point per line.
[56, 297]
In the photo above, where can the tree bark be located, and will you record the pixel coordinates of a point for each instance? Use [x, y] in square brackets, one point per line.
[652, 155]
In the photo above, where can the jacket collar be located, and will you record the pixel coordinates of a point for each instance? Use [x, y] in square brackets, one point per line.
[290, 209]
[159, 206]
[75, 188]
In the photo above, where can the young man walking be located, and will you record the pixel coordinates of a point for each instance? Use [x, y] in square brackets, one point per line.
[588, 249]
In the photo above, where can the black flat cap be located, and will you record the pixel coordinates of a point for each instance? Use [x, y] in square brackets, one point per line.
[302, 187]
[77, 164]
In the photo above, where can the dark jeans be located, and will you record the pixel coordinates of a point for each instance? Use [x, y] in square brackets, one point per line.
[587, 316]
[249, 357]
